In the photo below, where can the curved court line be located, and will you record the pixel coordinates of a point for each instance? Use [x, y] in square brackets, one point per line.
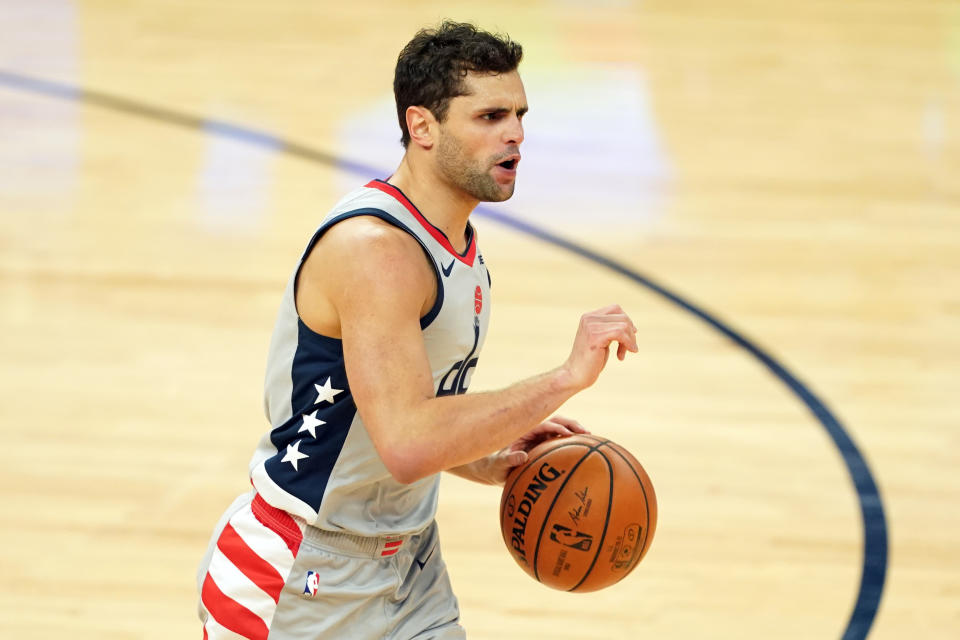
[874, 570]
[871, 505]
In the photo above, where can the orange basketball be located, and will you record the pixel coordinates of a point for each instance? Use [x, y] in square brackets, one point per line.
[580, 514]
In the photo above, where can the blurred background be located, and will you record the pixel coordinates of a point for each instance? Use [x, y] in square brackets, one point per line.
[792, 169]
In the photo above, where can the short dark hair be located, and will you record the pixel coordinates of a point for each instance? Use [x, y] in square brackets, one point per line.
[431, 68]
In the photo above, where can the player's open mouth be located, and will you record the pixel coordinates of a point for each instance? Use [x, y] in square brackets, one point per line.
[510, 164]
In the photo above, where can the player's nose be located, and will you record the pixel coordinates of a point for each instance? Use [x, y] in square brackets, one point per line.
[513, 134]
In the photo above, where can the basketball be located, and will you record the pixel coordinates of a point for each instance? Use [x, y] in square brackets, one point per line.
[580, 514]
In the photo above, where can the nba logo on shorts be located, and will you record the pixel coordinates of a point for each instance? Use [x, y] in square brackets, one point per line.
[313, 582]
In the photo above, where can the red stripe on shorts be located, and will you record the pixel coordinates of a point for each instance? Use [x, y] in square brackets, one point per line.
[279, 522]
[260, 572]
[230, 614]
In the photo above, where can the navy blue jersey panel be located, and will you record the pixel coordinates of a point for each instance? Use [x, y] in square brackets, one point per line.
[309, 443]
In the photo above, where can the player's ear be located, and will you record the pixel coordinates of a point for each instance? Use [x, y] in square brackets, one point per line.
[422, 126]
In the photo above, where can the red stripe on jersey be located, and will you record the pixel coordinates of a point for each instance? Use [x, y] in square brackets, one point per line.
[260, 572]
[438, 235]
[279, 522]
[389, 552]
[393, 543]
[204, 632]
[231, 614]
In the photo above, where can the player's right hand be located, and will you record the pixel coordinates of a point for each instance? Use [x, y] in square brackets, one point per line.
[499, 464]
[598, 330]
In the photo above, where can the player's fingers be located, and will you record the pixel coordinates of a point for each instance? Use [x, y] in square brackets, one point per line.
[554, 427]
[515, 458]
[613, 312]
[619, 318]
[572, 425]
[601, 336]
[607, 310]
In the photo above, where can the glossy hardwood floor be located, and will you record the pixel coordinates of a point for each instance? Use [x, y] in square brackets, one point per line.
[793, 168]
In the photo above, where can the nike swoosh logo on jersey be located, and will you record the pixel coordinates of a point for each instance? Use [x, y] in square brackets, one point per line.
[423, 562]
[448, 270]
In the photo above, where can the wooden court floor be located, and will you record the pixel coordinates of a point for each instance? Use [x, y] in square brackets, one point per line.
[791, 169]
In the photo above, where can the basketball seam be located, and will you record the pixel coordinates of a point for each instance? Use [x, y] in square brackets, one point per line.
[606, 522]
[646, 502]
[546, 517]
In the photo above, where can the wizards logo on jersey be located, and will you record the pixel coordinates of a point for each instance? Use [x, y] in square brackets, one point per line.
[458, 383]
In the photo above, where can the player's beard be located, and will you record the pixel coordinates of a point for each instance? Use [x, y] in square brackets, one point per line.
[472, 178]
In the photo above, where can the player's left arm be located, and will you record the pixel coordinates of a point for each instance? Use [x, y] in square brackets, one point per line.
[494, 468]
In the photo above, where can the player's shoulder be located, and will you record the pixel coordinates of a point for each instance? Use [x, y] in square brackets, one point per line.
[360, 239]
[375, 237]
[364, 261]
[369, 257]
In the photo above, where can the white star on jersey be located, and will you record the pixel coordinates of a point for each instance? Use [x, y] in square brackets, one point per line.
[293, 454]
[325, 392]
[310, 423]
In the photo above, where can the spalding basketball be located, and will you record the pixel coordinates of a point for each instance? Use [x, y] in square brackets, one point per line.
[580, 514]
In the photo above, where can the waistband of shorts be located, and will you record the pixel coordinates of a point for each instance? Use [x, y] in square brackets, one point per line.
[373, 547]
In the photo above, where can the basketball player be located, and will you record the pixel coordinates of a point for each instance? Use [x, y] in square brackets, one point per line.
[378, 333]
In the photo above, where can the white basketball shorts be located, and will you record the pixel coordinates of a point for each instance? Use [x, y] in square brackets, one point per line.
[266, 575]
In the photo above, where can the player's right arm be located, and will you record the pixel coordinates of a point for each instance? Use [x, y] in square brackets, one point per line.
[368, 283]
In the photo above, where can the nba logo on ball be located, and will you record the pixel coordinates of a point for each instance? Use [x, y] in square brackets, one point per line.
[313, 583]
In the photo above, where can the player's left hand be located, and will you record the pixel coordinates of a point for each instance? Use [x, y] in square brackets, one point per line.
[516, 454]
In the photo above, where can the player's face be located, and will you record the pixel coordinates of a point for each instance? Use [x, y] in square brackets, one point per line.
[479, 143]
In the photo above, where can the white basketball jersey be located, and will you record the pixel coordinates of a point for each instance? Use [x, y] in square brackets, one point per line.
[317, 461]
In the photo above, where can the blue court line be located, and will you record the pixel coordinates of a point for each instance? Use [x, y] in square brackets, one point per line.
[871, 505]
[873, 576]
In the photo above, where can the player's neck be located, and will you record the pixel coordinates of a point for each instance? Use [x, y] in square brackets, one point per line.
[446, 208]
